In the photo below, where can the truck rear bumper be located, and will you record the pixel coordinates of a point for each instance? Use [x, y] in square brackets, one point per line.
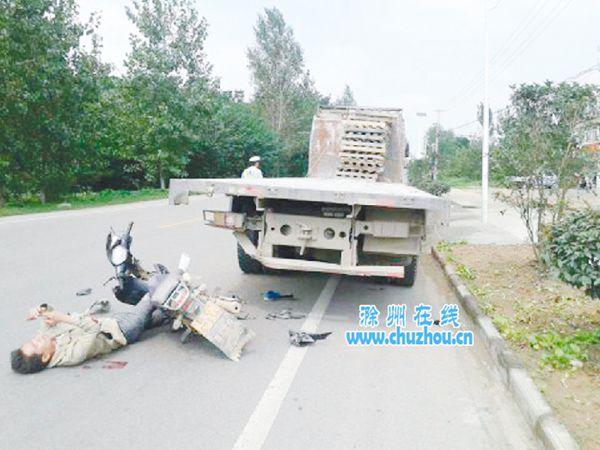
[317, 266]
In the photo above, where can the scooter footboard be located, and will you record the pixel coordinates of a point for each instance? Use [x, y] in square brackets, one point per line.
[223, 329]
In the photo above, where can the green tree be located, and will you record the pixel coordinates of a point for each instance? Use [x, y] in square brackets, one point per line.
[233, 133]
[168, 88]
[48, 84]
[458, 158]
[276, 65]
[284, 93]
[296, 135]
[538, 142]
[346, 99]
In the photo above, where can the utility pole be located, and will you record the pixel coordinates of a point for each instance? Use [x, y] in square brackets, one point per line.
[486, 119]
[436, 149]
[422, 137]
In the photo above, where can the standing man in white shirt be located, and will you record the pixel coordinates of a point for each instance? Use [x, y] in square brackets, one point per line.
[254, 170]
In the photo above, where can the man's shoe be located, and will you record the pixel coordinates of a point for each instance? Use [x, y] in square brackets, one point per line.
[158, 318]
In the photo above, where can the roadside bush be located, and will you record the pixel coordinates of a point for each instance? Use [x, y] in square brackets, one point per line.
[433, 186]
[573, 247]
[564, 351]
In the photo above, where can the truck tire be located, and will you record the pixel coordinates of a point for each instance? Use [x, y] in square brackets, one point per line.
[410, 273]
[247, 263]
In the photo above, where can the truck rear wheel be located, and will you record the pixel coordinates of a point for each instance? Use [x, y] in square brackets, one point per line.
[247, 263]
[410, 273]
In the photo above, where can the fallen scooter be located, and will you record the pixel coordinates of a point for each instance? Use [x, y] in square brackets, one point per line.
[196, 311]
[132, 278]
[190, 306]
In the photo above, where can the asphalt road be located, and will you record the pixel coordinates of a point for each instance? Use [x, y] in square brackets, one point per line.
[170, 395]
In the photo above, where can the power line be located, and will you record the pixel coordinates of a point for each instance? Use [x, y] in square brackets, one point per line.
[583, 72]
[496, 5]
[504, 58]
[468, 89]
[514, 53]
[463, 125]
[497, 111]
[557, 11]
[521, 28]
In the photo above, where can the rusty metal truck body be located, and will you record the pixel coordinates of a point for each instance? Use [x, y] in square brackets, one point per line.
[353, 214]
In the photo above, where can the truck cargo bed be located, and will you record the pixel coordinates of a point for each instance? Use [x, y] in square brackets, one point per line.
[336, 190]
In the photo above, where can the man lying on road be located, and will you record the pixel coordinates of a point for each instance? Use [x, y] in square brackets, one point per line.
[68, 340]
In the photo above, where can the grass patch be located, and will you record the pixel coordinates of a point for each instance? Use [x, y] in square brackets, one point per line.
[508, 328]
[459, 182]
[464, 272]
[447, 246]
[564, 351]
[82, 200]
[552, 326]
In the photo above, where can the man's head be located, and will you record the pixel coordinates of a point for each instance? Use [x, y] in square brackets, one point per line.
[255, 161]
[34, 355]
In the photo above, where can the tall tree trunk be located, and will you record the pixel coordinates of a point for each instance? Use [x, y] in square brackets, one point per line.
[161, 175]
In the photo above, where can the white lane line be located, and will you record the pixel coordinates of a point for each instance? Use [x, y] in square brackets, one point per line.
[183, 222]
[257, 429]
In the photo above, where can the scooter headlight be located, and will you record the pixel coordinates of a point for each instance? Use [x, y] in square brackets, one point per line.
[118, 255]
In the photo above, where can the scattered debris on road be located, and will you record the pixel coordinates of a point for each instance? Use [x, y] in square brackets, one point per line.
[270, 296]
[245, 316]
[83, 292]
[101, 306]
[285, 314]
[301, 338]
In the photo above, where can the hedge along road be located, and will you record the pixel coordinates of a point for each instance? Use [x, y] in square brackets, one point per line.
[189, 396]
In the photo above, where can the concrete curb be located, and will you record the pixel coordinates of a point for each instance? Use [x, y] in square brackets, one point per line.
[538, 413]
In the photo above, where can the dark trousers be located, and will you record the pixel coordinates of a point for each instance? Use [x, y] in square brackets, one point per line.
[133, 323]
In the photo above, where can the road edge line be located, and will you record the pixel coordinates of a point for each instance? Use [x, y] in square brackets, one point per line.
[537, 412]
[257, 429]
[78, 212]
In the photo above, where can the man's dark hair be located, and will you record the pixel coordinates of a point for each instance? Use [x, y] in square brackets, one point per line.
[22, 363]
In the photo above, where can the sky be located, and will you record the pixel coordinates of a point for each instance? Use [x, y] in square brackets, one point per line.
[418, 55]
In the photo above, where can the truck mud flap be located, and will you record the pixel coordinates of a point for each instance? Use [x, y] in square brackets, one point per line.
[246, 243]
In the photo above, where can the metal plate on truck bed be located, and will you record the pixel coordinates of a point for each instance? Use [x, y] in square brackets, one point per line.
[344, 191]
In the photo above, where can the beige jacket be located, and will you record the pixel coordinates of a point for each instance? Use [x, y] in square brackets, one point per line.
[87, 338]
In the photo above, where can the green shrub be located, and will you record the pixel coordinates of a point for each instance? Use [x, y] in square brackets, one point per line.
[434, 187]
[419, 177]
[508, 328]
[573, 247]
[562, 351]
